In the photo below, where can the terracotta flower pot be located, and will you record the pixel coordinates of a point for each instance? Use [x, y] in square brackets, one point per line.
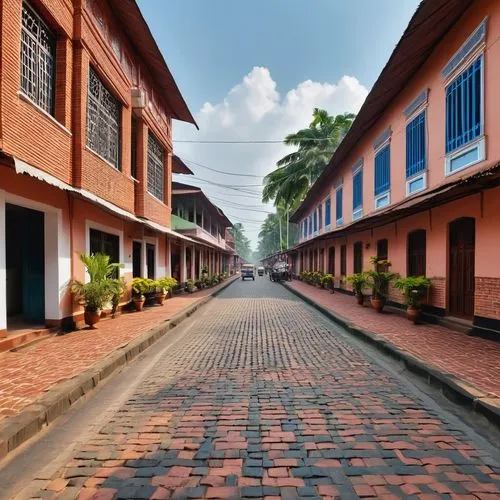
[91, 317]
[377, 304]
[360, 298]
[414, 314]
[139, 304]
[160, 298]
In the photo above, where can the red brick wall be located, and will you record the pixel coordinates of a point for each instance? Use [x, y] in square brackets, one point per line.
[438, 292]
[487, 297]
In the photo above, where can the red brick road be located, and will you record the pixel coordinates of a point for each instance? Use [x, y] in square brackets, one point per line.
[25, 375]
[472, 359]
[262, 399]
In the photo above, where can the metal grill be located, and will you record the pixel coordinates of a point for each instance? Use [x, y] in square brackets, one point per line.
[103, 121]
[37, 60]
[415, 146]
[155, 167]
[383, 171]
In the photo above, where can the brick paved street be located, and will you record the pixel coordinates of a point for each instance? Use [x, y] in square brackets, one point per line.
[263, 399]
[472, 359]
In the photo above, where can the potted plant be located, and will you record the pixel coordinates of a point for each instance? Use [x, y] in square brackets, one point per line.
[327, 282]
[190, 286]
[139, 289]
[118, 286]
[414, 288]
[358, 282]
[380, 281]
[100, 288]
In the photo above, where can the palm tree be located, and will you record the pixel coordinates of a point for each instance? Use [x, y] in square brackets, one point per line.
[297, 171]
[242, 243]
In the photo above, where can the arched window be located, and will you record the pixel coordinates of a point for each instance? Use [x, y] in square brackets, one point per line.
[416, 253]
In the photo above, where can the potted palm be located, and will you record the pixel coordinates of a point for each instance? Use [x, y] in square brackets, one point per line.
[358, 281]
[100, 288]
[380, 281]
[414, 289]
[118, 287]
[327, 282]
[190, 286]
[139, 289]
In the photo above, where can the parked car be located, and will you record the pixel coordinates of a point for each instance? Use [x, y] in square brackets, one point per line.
[247, 271]
[260, 271]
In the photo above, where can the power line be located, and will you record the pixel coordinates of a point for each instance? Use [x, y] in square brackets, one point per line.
[220, 171]
[315, 139]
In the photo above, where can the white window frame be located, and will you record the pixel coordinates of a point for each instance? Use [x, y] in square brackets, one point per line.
[479, 144]
[386, 194]
[411, 180]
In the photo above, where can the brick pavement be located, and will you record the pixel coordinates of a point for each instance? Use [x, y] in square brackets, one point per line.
[263, 400]
[25, 375]
[472, 359]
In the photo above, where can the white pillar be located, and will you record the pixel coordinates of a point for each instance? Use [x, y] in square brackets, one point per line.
[183, 263]
[3, 272]
[168, 257]
[193, 263]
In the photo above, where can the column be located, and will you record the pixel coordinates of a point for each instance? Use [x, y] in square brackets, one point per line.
[183, 270]
[3, 272]
[193, 262]
[168, 258]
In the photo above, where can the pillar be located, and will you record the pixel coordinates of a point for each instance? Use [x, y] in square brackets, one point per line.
[183, 270]
[193, 263]
[3, 271]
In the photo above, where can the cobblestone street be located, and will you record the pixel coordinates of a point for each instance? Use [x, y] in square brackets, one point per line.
[262, 398]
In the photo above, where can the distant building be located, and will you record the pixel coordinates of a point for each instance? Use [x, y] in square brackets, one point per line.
[417, 178]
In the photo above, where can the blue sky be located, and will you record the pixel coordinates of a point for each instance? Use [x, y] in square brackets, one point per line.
[262, 65]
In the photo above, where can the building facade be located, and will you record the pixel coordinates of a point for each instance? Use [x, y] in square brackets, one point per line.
[197, 218]
[416, 179]
[86, 109]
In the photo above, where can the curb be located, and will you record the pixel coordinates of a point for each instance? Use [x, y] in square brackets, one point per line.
[453, 388]
[16, 430]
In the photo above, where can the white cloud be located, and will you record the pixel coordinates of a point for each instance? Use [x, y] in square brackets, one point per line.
[254, 110]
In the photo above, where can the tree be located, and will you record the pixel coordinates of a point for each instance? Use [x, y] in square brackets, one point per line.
[297, 171]
[274, 232]
[241, 242]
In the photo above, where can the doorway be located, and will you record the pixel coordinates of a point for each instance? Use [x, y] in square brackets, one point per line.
[25, 265]
[150, 261]
[461, 267]
[331, 261]
[136, 259]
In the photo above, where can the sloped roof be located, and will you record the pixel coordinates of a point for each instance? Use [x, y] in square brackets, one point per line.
[430, 23]
[134, 24]
[179, 167]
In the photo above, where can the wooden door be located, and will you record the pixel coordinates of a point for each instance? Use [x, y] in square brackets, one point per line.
[331, 261]
[461, 267]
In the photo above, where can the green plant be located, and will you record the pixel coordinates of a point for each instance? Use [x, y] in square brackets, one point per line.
[204, 270]
[101, 287]
[327, 281]
[140, 287]
[190, 284]
[167, 284]
[380, 280]
[118, 288]
[358, 281]
[413, 288]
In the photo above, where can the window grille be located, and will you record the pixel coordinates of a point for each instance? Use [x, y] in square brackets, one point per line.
[464, 107]
[328, 211]
[357, 190]
[156, 181]
[339, 205]
[383, 171]
[103, 121]
[37, 60]
[415, 146]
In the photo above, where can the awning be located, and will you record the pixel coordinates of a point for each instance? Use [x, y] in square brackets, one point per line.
[24, 168]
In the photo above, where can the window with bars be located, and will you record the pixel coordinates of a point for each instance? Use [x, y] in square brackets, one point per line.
[107, 244]
[38, 50]
[320, 217]
[338, 206]
[315, 219]
[103, 121]
[310, 225]
[133, 155]
[156, 180]
[305, 227]
[464, 107]
[383, 171]
[357, 193]
[328, 212]
[415, 146]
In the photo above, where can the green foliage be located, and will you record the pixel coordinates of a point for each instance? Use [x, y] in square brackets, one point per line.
[102, 287]
[297, 171]
[327, 281]
[358, 281]
[242, 243]
[380, 280]
[190, 284]
[414, 288]
[166, 284]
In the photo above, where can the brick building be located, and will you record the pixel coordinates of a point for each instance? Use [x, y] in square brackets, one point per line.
[86, 109]
[417, 177]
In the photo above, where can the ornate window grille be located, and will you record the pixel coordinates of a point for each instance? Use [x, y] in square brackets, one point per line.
[103, 121]
[37, 60]
[155, 167]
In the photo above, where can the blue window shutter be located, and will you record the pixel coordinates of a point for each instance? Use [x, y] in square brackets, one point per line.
[415, 146]
[310, 225]
[463, 107]
[328, 210]
[357, 190]
[383, 170]
[339, 203]
[315, 218]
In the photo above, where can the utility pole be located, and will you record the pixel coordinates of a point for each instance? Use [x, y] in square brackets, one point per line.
[287, 227]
